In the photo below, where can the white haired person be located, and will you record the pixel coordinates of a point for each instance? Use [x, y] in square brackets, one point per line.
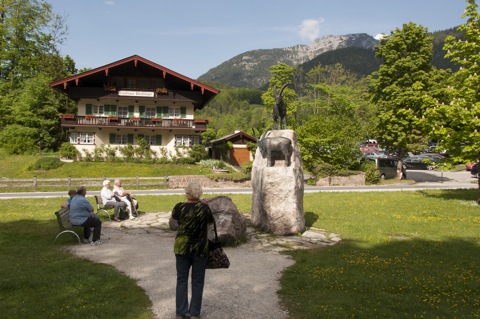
[191, 250]
[124, 197]
[110, 201]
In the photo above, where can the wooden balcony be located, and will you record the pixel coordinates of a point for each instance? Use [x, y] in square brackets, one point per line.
[132, 122]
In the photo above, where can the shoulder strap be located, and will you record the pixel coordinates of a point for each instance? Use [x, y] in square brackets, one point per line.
[215, 229]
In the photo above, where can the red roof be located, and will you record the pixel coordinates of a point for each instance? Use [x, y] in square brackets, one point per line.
[135, 66]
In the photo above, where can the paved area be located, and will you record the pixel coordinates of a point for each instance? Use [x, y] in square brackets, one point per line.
[143, 249]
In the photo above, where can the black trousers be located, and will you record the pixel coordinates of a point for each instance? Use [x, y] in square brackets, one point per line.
[95, 223]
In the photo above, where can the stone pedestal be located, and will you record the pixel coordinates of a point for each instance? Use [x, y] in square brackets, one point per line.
[277, 197]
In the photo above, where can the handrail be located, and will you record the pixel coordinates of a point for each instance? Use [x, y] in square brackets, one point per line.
[116, 121]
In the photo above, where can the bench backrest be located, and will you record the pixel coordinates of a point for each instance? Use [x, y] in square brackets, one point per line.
[97, 200]
[63, 218]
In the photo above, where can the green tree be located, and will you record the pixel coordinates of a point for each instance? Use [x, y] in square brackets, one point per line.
[30, 33]
[400, 87]
[282, 74]
[454, 119]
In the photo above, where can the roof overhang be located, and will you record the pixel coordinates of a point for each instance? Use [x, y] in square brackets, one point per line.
[135, 66]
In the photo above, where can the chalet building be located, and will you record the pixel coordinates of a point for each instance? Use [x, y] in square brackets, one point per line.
[238, 153]
[134, 98]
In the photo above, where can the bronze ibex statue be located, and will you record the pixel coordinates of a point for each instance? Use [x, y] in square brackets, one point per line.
[267, 145]
[279, 109]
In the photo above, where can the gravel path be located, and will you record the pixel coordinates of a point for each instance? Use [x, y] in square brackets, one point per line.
[246, 290]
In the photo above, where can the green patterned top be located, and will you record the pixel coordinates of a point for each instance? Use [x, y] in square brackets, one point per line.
[192, 235]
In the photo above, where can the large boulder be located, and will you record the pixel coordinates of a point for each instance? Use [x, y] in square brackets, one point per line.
[231, 225]
[277, 190]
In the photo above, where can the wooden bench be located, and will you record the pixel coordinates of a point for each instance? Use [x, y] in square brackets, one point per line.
[63, 219]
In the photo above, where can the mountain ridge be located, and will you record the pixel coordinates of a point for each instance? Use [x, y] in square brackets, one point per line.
[251, 69]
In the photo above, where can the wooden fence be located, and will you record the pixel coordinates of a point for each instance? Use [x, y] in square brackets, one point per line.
[73, 183]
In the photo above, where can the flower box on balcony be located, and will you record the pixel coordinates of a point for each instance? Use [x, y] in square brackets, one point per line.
[67, 116]
[157, 119]
[135, 119]
[161, 91]
[200, 121]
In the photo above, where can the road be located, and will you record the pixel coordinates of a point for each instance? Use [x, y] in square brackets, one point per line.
[423, 180]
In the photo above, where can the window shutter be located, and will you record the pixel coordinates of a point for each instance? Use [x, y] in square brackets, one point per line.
[130, 110]
[183, 112]
[88, 109]
[142, 111]
[165, 111]
[113, 138]
[158, 140]
[130, 138]
[113, 110]
[159, 111]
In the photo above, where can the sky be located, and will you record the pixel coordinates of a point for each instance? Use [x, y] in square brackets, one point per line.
[191, 36]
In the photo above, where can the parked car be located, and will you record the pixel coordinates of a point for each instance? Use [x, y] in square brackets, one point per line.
[386, 167]
[374, 155]
[420, 162]
[474, 170]
[469, 166]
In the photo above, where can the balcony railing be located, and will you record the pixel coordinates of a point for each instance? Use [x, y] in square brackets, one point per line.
[137, 122]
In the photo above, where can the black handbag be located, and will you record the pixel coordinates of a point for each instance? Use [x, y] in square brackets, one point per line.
[216, 256]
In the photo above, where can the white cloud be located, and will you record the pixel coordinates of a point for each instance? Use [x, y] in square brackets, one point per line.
[310, 29]
[379, 36]
[110, 2]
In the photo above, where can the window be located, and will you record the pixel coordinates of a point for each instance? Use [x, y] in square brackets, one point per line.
[187, 140]
[174, 111]
[82, 138]
[98, 109]
[122, 111]
[121, 139]
[150, 111]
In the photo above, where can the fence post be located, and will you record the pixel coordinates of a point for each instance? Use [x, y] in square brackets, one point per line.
[34, 183]
[137, 181]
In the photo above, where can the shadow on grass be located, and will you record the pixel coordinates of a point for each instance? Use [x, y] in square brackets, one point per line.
[453, 194]
[310, 218]
[41, 280]
[400, 279]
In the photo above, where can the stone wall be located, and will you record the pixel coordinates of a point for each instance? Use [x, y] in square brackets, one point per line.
[183, 180]
[351, 180]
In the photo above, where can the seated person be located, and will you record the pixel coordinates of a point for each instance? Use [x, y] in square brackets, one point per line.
[71, 194]
[125, 197]
[82, 214]
[109, 200]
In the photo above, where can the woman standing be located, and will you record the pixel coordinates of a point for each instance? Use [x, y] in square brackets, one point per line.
[191, 250]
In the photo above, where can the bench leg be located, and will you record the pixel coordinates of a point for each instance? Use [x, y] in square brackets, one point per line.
[105, 212]
[67, 231]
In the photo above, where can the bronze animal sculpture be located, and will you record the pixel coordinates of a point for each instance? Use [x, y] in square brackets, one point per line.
[279, 109]
[267, 145]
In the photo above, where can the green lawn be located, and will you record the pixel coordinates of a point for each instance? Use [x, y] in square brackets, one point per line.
[403, 255]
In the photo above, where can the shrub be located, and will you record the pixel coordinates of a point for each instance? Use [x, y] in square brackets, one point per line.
[46, 163]
[212, 163]
[198, 152]
[371, 173]
[323, 170]
[247, 168]
[68, 150]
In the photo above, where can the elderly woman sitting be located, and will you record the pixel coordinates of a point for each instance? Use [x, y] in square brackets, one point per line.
[125, 197]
